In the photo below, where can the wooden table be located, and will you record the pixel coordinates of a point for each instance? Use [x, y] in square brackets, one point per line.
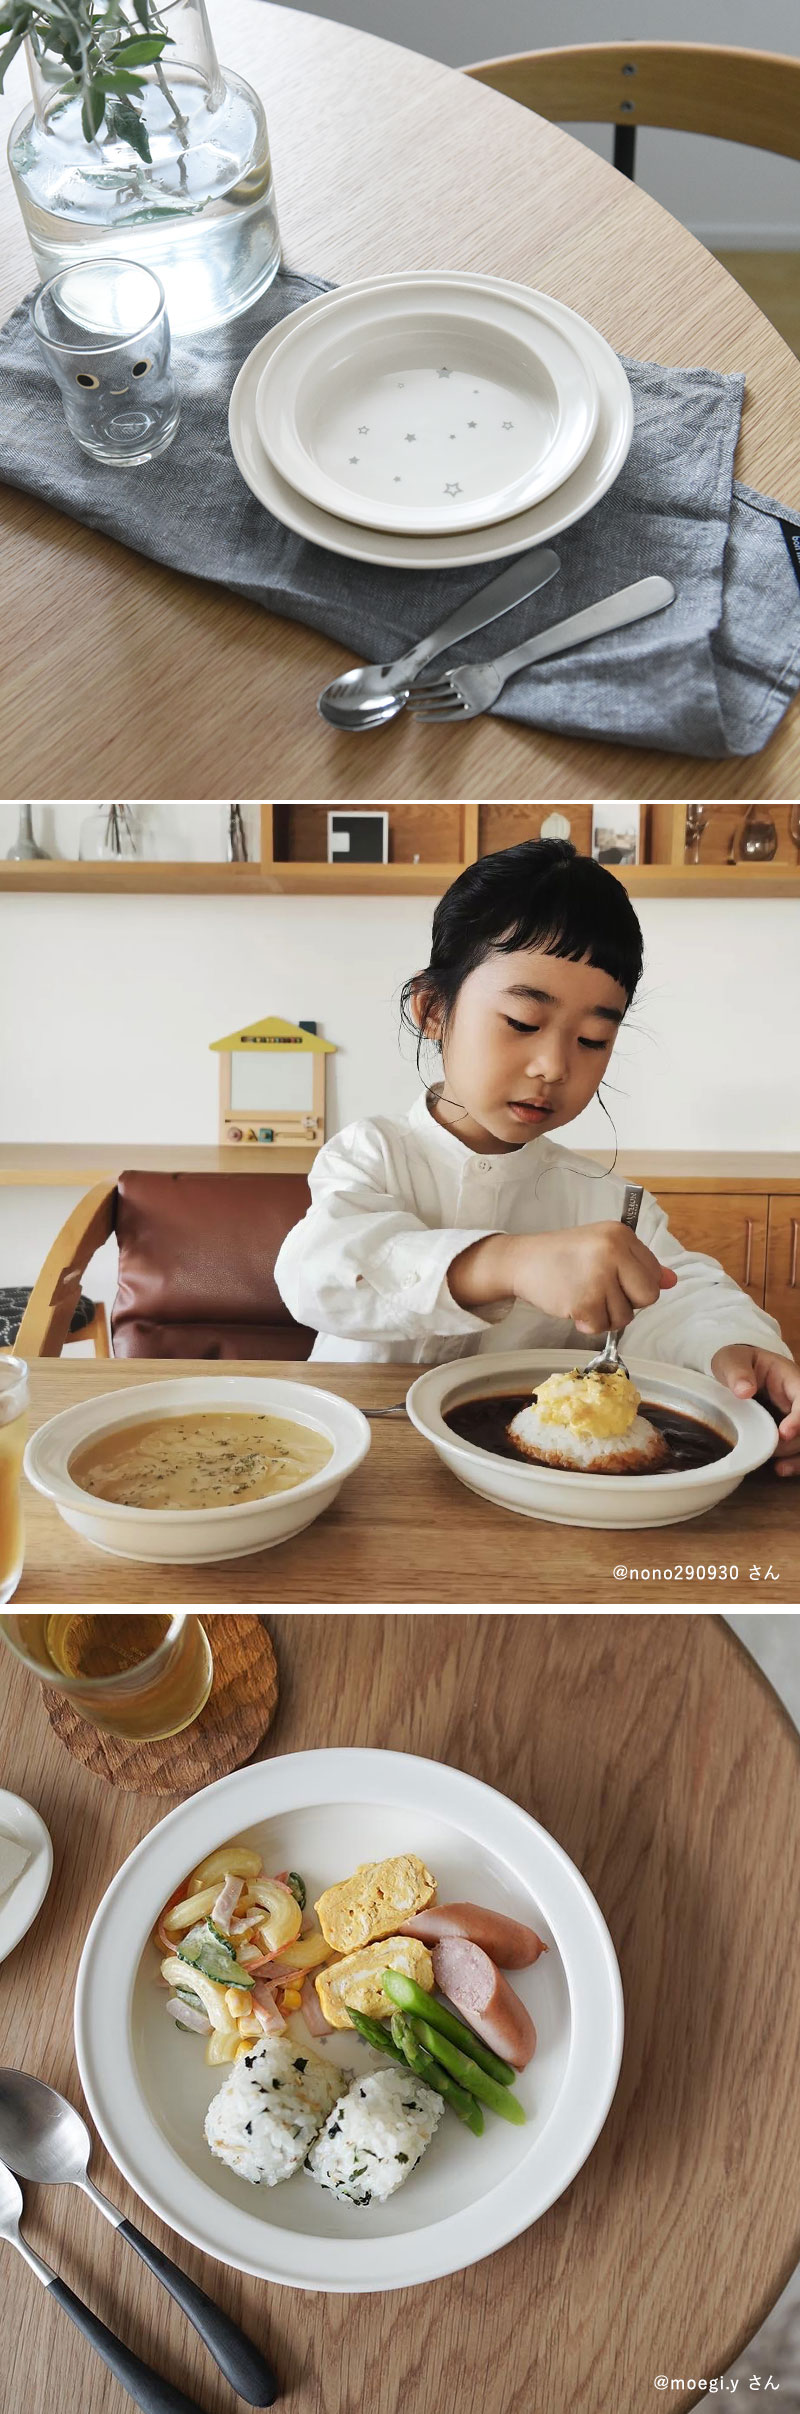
[383, 160]
[403, 1529]
[660, 1758]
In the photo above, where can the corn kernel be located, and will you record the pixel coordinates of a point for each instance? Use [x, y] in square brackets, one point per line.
[292, 2001]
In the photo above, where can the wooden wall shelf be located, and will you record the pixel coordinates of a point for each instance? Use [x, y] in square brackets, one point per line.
[66, 1165]
[430, 844]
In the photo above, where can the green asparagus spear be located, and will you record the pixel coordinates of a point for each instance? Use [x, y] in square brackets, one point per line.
[424, 2067]
[463, 2068]
[412, 1998]
[374, 2033]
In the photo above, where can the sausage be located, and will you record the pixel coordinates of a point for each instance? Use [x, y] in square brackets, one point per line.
[314, 2015]
[484, 1998]
[506, 1941]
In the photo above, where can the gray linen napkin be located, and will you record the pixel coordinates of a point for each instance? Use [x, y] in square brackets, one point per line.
[712, 676]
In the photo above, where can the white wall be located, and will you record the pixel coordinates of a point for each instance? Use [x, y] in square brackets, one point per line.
[729, 197]
[108, 1006]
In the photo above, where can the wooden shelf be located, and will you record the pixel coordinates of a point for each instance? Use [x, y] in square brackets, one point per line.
[64, 1166]
[463, 831]
[61, 1165]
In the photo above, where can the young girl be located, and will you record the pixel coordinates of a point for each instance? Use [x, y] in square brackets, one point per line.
[462, 1227]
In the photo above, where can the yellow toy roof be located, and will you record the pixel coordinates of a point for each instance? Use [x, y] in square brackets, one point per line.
[273, 1032]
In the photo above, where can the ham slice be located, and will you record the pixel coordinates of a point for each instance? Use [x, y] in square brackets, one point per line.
[226, 1902]
[484, 1999]
[507, 1942]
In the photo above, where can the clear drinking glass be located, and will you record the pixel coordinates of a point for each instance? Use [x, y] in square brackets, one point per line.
[143, 1674]
[103, 328]
[13, 1424]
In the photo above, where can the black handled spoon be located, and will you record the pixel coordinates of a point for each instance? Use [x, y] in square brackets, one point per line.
[43, 2138]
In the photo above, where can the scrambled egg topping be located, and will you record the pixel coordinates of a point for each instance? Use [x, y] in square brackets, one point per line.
[599, 1405]
[357, 1979]
[376, 1901]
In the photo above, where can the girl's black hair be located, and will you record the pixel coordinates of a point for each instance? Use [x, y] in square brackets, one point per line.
[543, 895]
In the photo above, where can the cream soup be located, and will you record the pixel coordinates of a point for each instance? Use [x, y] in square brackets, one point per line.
[212, 1459]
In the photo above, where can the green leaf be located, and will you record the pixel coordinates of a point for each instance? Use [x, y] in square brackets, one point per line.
[93, 111]
[126, 125]
[8, 53]
[140, 51]
[115, 79]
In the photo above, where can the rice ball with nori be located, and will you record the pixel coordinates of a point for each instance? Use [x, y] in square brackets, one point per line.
[270, 2108]
[375, 2135]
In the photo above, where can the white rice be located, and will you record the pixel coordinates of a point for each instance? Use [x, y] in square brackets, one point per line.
[612, 1454]
[270, 2108]
[375, 2136]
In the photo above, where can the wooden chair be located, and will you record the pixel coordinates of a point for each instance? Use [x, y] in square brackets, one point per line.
[89, 1321]
[196, 1259]
[746, 96]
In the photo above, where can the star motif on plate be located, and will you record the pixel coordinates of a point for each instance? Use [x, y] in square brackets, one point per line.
[353, 460]
[472, 423]
[444, 372]
[453, 490]
[508, 422]
[363, 431]
[411, 439]
[398, 480]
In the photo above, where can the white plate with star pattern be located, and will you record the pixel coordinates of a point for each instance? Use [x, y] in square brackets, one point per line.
[423, 408]
[537, 524]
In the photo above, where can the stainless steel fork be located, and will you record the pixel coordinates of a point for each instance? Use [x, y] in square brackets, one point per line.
[472, 687]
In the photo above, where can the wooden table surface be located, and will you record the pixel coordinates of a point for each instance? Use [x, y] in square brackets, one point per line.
[404, 1530]
[661, 1760]
[383, 160]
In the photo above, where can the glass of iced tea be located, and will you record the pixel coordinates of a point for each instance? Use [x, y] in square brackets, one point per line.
[142, 1674]
[13, 1404]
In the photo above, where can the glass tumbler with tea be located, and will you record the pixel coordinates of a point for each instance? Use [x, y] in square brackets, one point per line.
[103, 329]
[143, 1675]
[13, 1425]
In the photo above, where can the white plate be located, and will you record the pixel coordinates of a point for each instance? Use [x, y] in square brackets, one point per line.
[411, 407]
[195, 1537]
[622, 1502]
[19, 1909]
[323, 1812]
[536, 525]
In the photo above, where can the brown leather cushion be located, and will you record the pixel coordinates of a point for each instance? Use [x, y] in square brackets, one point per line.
[196, 1266]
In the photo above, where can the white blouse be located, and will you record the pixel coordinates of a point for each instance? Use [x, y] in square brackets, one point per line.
[396, 1199]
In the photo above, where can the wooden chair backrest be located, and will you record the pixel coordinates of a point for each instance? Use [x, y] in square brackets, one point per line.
[747, 96]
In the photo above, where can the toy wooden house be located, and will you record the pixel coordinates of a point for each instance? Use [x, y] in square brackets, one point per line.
[272, 1085]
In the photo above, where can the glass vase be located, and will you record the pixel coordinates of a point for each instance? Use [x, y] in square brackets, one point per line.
[201, 212]
[108, 836]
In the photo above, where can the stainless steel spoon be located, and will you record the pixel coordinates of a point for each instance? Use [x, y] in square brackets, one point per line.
[147, 2388]
[366, 697]
[43, 2138]
[609, 1359]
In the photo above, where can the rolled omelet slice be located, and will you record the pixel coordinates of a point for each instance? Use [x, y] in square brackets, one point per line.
[357, 1979]
[375, 1901]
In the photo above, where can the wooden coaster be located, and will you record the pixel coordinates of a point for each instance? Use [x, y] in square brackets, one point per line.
[239, 1710]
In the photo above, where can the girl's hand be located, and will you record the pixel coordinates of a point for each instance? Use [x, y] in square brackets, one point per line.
[596, 1277]
[746, 1370]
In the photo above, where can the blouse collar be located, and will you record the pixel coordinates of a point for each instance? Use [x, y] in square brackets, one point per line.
[504, 1163]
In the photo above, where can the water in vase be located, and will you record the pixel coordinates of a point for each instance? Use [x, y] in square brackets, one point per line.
[201, 211]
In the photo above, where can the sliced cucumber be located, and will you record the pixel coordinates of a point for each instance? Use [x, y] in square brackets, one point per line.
[206, 1949]
[298, 1888]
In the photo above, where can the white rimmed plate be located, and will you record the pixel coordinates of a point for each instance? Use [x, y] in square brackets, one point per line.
[148, 2087]
[594, 475]
[19, 1908]
[193, 1537]
[410, 407]
[556, 1494]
